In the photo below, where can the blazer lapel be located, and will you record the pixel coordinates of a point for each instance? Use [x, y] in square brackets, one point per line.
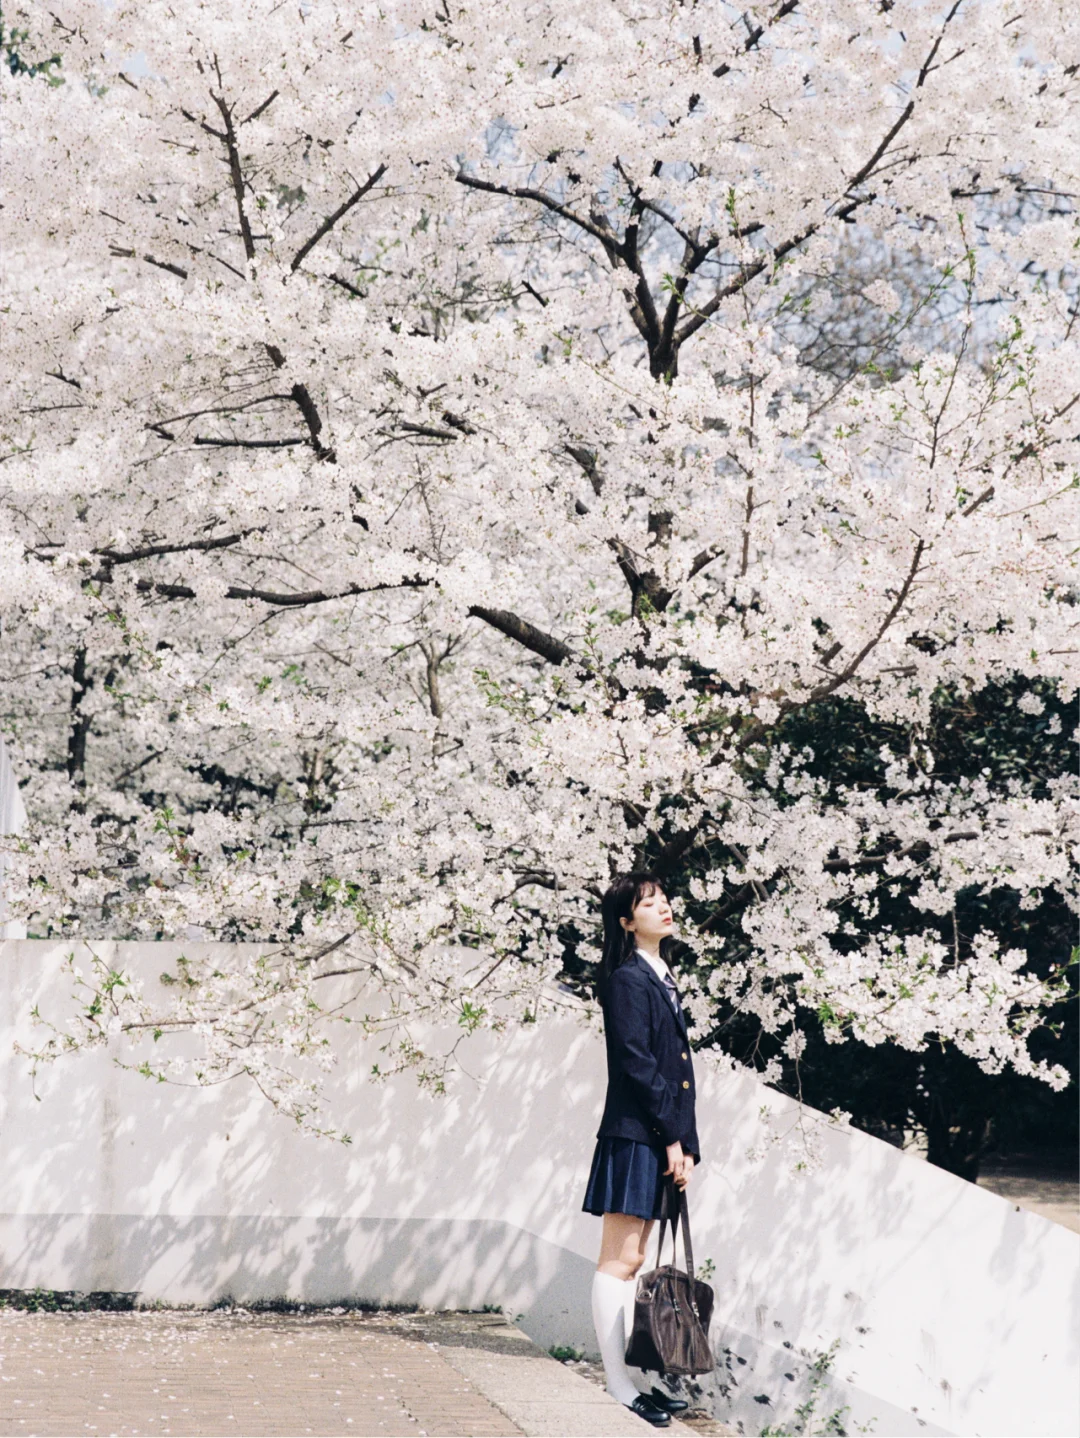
[678, 1014]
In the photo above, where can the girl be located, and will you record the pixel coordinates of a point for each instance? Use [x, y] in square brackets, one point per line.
[647, 1131]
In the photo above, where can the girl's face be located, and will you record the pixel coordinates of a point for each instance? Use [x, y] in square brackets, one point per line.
[652, 918]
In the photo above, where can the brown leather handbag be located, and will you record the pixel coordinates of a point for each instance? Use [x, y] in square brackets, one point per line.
[672, 1309]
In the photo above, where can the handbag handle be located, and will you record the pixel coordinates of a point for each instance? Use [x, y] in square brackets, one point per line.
[673, 1197]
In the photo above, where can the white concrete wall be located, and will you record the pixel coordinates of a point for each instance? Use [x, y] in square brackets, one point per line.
[957, 1312]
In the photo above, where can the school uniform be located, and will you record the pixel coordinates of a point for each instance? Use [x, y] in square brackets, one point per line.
[650, 1094]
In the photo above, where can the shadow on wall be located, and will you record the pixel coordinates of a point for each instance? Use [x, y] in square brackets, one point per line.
[190, 1195]
[452, 1263]
[955, 1311]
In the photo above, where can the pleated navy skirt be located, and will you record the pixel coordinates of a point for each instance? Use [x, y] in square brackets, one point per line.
[626, 1177]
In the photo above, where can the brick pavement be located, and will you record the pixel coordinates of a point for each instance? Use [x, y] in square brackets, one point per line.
[230, 1372]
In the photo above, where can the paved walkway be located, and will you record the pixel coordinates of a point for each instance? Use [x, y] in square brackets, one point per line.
[1043, 1186]
[239, 1373]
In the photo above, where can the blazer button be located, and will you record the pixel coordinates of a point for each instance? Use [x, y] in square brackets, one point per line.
[684, 1055]
[686, 1083]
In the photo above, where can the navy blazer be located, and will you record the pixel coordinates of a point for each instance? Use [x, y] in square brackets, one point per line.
[651, 1092]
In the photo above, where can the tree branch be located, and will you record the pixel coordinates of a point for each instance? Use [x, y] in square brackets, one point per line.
[301, 396]
[824, 690]
[659, 334]
[753, 730]
[331, 220]
[345, 285]
[150, 551]
[703, 558]
[526, 634]
[842, 866]
[988, 493]
[220, 443]
[264, 106]
[118, 252]
[229, 139]
[586, 458]
[703, 313]
[861, 174]
[429, 431]
[285, 600]
[233, 408]
[518, 192]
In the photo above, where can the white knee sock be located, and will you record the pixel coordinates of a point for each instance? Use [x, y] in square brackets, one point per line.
[609, 1309]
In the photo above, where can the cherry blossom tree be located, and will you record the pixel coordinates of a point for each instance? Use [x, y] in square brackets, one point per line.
[417, 504]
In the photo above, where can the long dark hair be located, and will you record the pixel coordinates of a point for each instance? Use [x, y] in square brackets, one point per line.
[623, 894]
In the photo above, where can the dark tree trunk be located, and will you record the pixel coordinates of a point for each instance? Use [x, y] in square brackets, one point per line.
[80, 722]
[957, 1141]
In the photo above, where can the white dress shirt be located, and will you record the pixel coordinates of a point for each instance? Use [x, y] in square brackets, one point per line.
[659, 968]
[666, 977]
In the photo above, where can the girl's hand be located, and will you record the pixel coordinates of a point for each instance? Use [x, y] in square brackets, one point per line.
[680, 1165]
[676, 1161]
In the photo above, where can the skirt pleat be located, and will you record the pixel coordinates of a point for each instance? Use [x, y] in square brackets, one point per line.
[627, 1176]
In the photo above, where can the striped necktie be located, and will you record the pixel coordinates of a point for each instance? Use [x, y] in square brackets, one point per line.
[669, 984]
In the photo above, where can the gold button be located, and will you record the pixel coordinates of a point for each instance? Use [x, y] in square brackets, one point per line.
[686, 1083]
[684, 1055]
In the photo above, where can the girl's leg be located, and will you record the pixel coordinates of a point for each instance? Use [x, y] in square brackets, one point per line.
[623, 1243]
[622, 1252]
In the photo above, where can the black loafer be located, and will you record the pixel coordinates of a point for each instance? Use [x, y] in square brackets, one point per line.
[666, 1402]
[645, 1408]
